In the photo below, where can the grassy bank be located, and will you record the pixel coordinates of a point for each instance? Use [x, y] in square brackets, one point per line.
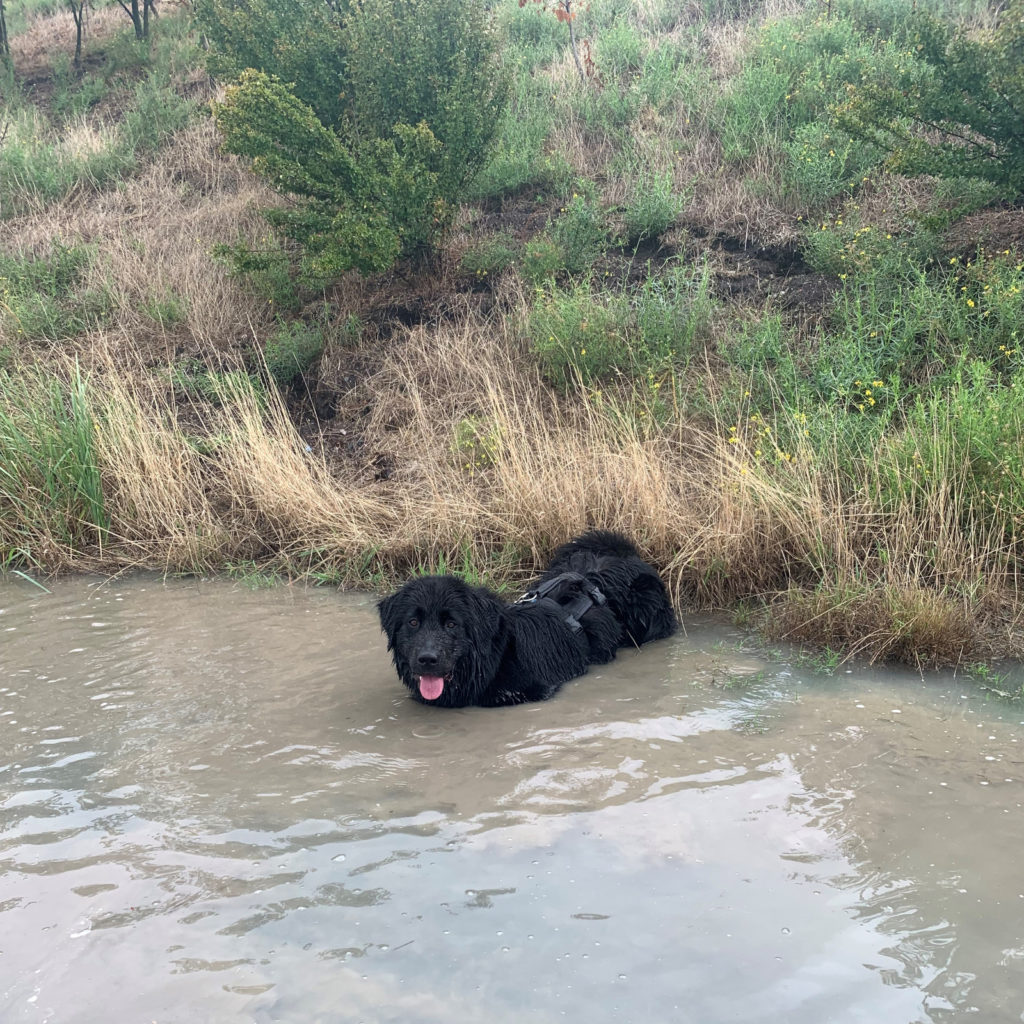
[680, 302]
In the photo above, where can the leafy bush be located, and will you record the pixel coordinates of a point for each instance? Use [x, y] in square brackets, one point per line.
[954, 108]
[297, 41]
[421, 98]
[266, 272]
[413, 62]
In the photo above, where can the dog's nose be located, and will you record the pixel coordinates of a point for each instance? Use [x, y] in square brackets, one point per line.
[427, 659]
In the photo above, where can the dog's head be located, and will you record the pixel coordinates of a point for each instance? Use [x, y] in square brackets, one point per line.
[446, 638]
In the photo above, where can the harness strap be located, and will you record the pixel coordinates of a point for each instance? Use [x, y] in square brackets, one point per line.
[587, 595]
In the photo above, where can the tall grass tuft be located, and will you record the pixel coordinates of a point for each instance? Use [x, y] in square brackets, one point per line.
[51, 490]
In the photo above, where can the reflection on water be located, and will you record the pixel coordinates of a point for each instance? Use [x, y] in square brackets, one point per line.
[219, 805]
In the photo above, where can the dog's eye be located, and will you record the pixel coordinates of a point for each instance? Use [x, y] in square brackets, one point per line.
[413, 623]
[450, 624]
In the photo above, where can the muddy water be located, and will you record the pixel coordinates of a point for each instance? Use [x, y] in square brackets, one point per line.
[218, 805]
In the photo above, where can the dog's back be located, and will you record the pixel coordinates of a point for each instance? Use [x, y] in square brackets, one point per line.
[635, 592]
[584, 552]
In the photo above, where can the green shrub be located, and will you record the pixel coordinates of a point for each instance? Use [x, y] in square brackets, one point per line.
[292, 350]
[296, 41]
[422, 97]
[953, 106]
[427, 61]
[266, 272]
[850, 248]
[580, 336]
[824, 162]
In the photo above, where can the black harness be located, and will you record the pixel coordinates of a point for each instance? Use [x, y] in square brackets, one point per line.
[582, 594]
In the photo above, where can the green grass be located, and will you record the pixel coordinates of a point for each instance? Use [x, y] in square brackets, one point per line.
[579, 333]
[46, 156]
[292, 350]
[50, 484]
[44, 296]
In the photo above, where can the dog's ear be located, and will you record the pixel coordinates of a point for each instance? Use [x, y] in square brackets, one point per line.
[389, 610]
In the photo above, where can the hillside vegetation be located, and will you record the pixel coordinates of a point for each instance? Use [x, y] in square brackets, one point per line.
[748, 289]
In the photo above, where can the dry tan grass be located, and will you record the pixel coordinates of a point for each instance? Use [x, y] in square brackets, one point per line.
[155, 236]
[45, 36]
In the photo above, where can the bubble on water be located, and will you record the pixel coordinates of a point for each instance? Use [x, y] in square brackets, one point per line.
[786, 931]
[339, 857]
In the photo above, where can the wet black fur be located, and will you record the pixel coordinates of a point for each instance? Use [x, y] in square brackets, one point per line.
[492, 653]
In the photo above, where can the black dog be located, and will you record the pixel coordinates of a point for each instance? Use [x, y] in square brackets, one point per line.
[454, 644]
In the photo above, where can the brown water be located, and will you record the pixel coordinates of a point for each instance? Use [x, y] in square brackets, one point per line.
[219, 805]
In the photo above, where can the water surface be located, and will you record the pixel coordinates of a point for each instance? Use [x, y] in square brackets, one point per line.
[218, 804]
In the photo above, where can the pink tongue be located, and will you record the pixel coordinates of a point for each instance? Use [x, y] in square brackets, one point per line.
[431, 687]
